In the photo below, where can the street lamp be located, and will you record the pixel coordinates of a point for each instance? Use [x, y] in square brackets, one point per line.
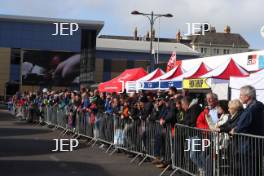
[152, 18]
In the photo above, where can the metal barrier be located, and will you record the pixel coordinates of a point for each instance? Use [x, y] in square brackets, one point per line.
[203, 152]
[241, 155]
[146, 139]
[186, 149]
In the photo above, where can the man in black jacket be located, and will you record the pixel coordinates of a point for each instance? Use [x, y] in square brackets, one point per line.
[159, 111]
[251, 121]
[192, 111]
[170, 118]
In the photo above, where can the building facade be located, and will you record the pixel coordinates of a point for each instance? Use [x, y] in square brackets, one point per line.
[116, 53]
[21, 37]
[214, 43]
[32, 57]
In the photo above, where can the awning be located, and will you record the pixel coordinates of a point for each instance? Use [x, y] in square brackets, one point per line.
[138, 84]
[196, 71]
[226, 70]
[118, 84]
[155, 83]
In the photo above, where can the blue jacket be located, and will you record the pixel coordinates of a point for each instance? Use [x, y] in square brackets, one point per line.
[86, 103]
[108, 107]
[251, 121]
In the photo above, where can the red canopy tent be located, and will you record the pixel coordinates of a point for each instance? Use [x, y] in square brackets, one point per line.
[201, 70]
[226, 70]
[117, 84]
[153, 75]
[175, 72]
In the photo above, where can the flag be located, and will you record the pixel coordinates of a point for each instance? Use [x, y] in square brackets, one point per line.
[172, 62]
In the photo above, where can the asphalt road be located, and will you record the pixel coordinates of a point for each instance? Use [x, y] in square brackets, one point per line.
[26, 150]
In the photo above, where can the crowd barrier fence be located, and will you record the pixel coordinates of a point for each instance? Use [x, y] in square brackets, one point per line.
[185, 149]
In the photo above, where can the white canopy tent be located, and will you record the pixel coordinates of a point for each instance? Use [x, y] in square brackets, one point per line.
[224, 71]
[251, 61]
[255, 79]
[132, 86]
[199, 69]
[218, 79]
[155, 83]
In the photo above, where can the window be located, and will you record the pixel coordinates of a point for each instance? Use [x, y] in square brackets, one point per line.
[226, 51]
[203, 50]
[214, 50]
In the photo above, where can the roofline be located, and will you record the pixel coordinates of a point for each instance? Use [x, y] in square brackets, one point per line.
[223, 45]
[144, 51]
[189, 52]
[89, 24]
[104, 36]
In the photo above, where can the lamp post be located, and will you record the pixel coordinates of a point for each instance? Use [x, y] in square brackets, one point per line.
[152, 18]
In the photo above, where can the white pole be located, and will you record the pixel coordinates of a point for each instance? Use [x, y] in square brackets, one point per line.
[21, 65]
[158, 43]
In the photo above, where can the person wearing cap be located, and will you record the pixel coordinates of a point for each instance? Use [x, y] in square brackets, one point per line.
[160, 110]
[170, 117]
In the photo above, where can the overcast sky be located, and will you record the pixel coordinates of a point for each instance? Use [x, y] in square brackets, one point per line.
[244, 16]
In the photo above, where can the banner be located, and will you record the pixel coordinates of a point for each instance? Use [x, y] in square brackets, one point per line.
[168, 84]
[200, 83]
[150, 85]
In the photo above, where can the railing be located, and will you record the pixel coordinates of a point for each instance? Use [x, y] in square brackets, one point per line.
[185, 149]
[203, 152]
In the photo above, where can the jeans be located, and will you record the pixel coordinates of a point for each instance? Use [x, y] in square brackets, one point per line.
[197, 157]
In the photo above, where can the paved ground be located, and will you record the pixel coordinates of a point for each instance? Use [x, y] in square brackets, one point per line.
[25, 150]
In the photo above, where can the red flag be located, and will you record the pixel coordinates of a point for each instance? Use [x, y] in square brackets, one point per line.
[172, 62]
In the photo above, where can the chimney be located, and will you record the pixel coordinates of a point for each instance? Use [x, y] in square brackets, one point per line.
[227, 29]
[178, 36]
[135, 34]
[212, 29]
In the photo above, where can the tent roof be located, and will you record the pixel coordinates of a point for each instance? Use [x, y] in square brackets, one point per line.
[153, 75]
[201, 70]
[177, 71]
[194, 72]
[226, 70]
[115, 85]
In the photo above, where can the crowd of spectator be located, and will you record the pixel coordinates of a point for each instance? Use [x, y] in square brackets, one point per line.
[244, 115]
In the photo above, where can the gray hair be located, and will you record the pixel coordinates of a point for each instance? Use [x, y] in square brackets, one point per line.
[215, 96]
[236, 104]
[249, 91]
